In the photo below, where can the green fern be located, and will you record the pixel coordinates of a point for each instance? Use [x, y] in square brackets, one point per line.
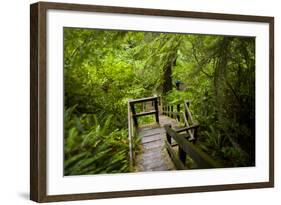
[92, 146]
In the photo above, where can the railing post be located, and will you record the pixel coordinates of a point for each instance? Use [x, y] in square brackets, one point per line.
[156, 109]
[134, 114]
[182, 155]
[178, 110]
[131, 136]
[185, 111]
[195, 135]
[168, 110]
[169, 139]
[172, 109]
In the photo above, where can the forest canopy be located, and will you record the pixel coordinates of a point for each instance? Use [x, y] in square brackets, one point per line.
[105, 68]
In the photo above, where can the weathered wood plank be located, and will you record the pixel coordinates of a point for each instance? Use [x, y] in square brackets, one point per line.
[151, 138]
[151, 131]
[152, 154]
[153, 163]
[155, 144]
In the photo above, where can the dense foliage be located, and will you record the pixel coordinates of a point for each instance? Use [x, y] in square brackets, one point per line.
[103, 69]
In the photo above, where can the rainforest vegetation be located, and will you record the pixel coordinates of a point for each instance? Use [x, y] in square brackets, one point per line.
[105, 68]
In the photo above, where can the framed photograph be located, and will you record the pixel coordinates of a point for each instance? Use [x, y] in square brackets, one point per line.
[134, 102]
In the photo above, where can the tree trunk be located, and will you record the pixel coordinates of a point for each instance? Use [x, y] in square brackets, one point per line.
[220, 75]
[168, 83]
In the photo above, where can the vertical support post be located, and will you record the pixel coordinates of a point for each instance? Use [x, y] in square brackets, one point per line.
[182, 155]
[187, 107]
[134, 114]
[131, 136]
[169, 139]
[172, 109]
[195, 135]
[168, 114]
[178, 110]
[156, 111]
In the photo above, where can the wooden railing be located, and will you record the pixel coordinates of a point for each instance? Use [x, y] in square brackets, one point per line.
[184, 117]
[185, 142]
[184, 137]
[186, 148]
[135, 115]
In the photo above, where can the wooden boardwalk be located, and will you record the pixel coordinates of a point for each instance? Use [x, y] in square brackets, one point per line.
[154, 156]
[166, 144]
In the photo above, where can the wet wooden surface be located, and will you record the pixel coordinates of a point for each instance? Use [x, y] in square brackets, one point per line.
[154, 156]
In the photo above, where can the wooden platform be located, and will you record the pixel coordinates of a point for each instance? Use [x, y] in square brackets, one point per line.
[168, 144]
[154, 156]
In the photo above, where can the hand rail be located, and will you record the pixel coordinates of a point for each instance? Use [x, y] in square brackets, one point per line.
[187, 148]
[187, 118]
[188, 113]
